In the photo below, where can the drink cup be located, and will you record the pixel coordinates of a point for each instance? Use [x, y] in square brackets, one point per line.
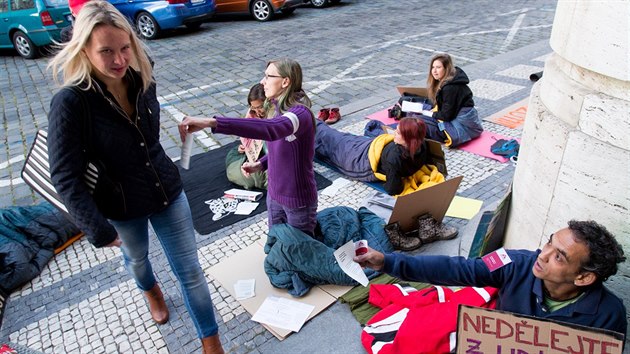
[360, 247]
[186, 151]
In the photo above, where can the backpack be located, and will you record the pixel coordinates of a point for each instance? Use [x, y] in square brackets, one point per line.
[507, 148]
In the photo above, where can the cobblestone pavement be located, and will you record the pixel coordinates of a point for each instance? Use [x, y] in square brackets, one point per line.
[352, 54]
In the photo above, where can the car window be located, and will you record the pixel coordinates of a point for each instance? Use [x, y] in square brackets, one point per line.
[4, 5]
[55, 3]
[22, 4]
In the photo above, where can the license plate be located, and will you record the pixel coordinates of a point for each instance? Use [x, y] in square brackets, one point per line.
[197, 1]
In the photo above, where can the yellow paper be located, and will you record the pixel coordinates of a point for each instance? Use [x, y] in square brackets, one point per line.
[464, 208]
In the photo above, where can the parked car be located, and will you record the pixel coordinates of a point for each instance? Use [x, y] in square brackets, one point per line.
[324, 3]
[151, 17]
[262, 10]
[29, 25]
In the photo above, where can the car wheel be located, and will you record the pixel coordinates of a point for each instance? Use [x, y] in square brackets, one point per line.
[147, 26]
[262, 10]
[193, 25]
[24, 45]
[319, 3]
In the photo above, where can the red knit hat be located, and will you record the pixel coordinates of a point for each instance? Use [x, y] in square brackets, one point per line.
[76, 5]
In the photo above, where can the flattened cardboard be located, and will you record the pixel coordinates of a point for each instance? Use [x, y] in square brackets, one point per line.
[482, 330]
[420, 91]
[434, 200]
[247, 264]
[512, 117]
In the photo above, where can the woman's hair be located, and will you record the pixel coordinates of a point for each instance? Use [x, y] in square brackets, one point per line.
[293, 94]
[433, 85]
[413, 131]
[257, 92]
[71, 59]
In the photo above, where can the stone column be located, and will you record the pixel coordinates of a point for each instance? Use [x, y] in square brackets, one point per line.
[574, 161]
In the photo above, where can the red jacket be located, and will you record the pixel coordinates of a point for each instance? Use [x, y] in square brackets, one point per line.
[423, 321]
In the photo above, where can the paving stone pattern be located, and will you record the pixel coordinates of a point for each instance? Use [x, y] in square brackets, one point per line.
[352, 55]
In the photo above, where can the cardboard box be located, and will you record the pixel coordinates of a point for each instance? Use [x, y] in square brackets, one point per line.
[482, 330]
[434, 200]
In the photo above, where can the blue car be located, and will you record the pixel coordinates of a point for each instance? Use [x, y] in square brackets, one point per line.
[151, 17]
[28, 25]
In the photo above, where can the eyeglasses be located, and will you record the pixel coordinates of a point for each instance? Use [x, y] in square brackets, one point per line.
[256, 108]
[267, 76]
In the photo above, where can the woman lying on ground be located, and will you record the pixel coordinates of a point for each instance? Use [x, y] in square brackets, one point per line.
[238, 156]
[365, 158]
[289, 132]
[454, 120]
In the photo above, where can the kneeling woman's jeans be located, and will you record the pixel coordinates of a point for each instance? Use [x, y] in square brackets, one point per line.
[174, 228]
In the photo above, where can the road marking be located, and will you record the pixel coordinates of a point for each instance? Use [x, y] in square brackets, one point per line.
[177, 97]
[437, 51]
[521, 11]
[339, 76]
[512, 33]
[489, 31]
[11, 161]
[389, 43]
[11, 182]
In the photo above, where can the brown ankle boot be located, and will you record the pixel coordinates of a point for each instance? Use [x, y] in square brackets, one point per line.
[400, 240]
[430, 230]
[157, 306]
[211, 345]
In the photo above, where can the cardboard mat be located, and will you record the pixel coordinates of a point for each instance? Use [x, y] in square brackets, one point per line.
[382, 116]
[512, 117]
[248, 264]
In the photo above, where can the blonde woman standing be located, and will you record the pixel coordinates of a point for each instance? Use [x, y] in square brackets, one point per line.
[107, 79]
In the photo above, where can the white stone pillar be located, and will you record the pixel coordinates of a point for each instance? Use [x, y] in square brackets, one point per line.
[574, 161]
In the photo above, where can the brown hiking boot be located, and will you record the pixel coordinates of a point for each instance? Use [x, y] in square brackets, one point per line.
[430, 230]
[402, 241]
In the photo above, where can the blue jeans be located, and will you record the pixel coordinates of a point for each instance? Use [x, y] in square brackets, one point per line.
[346, 152]
[174, 228]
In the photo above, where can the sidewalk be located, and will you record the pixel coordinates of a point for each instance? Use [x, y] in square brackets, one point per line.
[76, 304]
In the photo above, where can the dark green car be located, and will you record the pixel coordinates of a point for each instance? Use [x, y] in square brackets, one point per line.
[28, 25]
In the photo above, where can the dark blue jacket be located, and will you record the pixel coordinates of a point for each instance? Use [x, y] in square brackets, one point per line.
[519, 290]
[144, 177]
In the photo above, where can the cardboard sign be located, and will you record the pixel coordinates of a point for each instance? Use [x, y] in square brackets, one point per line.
[253, 148]
[512, 117]
[491, 331]
[420, 91]
[434, 200]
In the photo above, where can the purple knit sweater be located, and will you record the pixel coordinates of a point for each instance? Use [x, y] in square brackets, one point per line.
[289, 159]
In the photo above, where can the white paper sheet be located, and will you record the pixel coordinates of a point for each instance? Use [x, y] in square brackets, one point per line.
[411, 107]
[344, 256]
[244, 289]
[245, 208]
[283, 313]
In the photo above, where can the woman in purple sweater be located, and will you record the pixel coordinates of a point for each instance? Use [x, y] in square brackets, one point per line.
[290, 136]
